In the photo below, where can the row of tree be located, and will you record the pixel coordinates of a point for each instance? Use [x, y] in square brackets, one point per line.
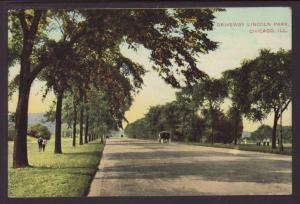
[77, 53]
[264, 132]
[185, 124]
[260, 86]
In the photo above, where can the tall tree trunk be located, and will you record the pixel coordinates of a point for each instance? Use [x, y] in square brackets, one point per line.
[212, 125]
[57, 148]
[86, 128]
[274, 129]
[20, 158]
[86, 122]
[81, 124]
[235, 130]
[89, 136]
[102, 140]
[74, 122]
[212, 133]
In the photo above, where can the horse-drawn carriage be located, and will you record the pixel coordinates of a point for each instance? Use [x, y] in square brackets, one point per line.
[164, 136]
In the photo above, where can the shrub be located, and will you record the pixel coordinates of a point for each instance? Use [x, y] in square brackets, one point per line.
[39, 130]
[261, 133]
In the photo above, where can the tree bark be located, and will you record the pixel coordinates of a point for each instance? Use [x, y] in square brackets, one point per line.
[212, 134]
[74, 122]
[235, 130]
[20, 158]
[274, 129]
[86, 128]
[90, 137]
[212, 125]
[81, 124]
[57, 149]
[86, 123]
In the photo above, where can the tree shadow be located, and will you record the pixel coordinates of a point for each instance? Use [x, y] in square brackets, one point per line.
[237, 169]
[172, 154]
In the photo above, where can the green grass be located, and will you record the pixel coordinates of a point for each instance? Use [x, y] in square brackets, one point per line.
[249, 147]
[54, 175]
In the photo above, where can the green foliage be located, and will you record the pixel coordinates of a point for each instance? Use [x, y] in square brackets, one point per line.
[153, 29]
[67, 110]
[262, 85]
[11, 117]
[86, 55]
[234, 116]
[210, 93]
[50, 115]
[185, 124]
[287, 133]
[139, 129]
[265, 132]
[11, 132]
[39, 130]
[101, 115]
[262, 132]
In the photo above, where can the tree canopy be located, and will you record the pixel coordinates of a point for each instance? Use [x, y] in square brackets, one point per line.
[86, 54]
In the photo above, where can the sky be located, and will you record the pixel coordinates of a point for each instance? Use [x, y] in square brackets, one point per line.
[241, 32]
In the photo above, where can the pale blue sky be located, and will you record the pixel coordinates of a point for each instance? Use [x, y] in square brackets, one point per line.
[236, 44]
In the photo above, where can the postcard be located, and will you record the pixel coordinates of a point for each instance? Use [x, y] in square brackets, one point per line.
[149, 102]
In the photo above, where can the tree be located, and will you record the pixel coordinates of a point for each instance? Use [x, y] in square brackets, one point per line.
[138, 129]
[210, 94]
[191, 124]
[27, 30]
[272, 84]
[265, 86]
[235, 118]
[262, 132]
[150, 28]
[39, 130]
[69, 114]
[238, 88]
[57, 77]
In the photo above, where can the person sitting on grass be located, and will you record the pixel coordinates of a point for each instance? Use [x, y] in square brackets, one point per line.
[44, 144]
[40, 143]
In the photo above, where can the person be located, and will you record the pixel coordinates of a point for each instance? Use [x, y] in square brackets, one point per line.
[40, 141]
[44, 144]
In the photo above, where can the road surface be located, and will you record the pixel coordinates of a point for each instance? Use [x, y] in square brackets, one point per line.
[131, 167]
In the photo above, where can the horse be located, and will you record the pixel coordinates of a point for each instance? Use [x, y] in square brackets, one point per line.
[164, 136]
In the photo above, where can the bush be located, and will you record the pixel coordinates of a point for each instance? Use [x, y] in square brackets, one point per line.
[39, 130]
[261, 133]
[11, 132]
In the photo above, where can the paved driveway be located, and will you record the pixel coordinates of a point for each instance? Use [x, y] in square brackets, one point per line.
[131, 167]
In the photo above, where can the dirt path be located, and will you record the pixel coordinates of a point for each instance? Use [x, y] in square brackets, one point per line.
[132, 167]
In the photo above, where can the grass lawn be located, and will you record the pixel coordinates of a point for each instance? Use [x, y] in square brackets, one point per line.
[60, 175]
[250, 147]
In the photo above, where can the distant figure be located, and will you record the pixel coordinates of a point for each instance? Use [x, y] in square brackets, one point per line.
[44, 144]
[40, 143]
[121, 135]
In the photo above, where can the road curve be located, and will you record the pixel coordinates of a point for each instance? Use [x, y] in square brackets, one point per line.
[131, 167]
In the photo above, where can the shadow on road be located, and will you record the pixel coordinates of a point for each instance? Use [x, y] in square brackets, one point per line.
[166, 162]
[261, 171]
